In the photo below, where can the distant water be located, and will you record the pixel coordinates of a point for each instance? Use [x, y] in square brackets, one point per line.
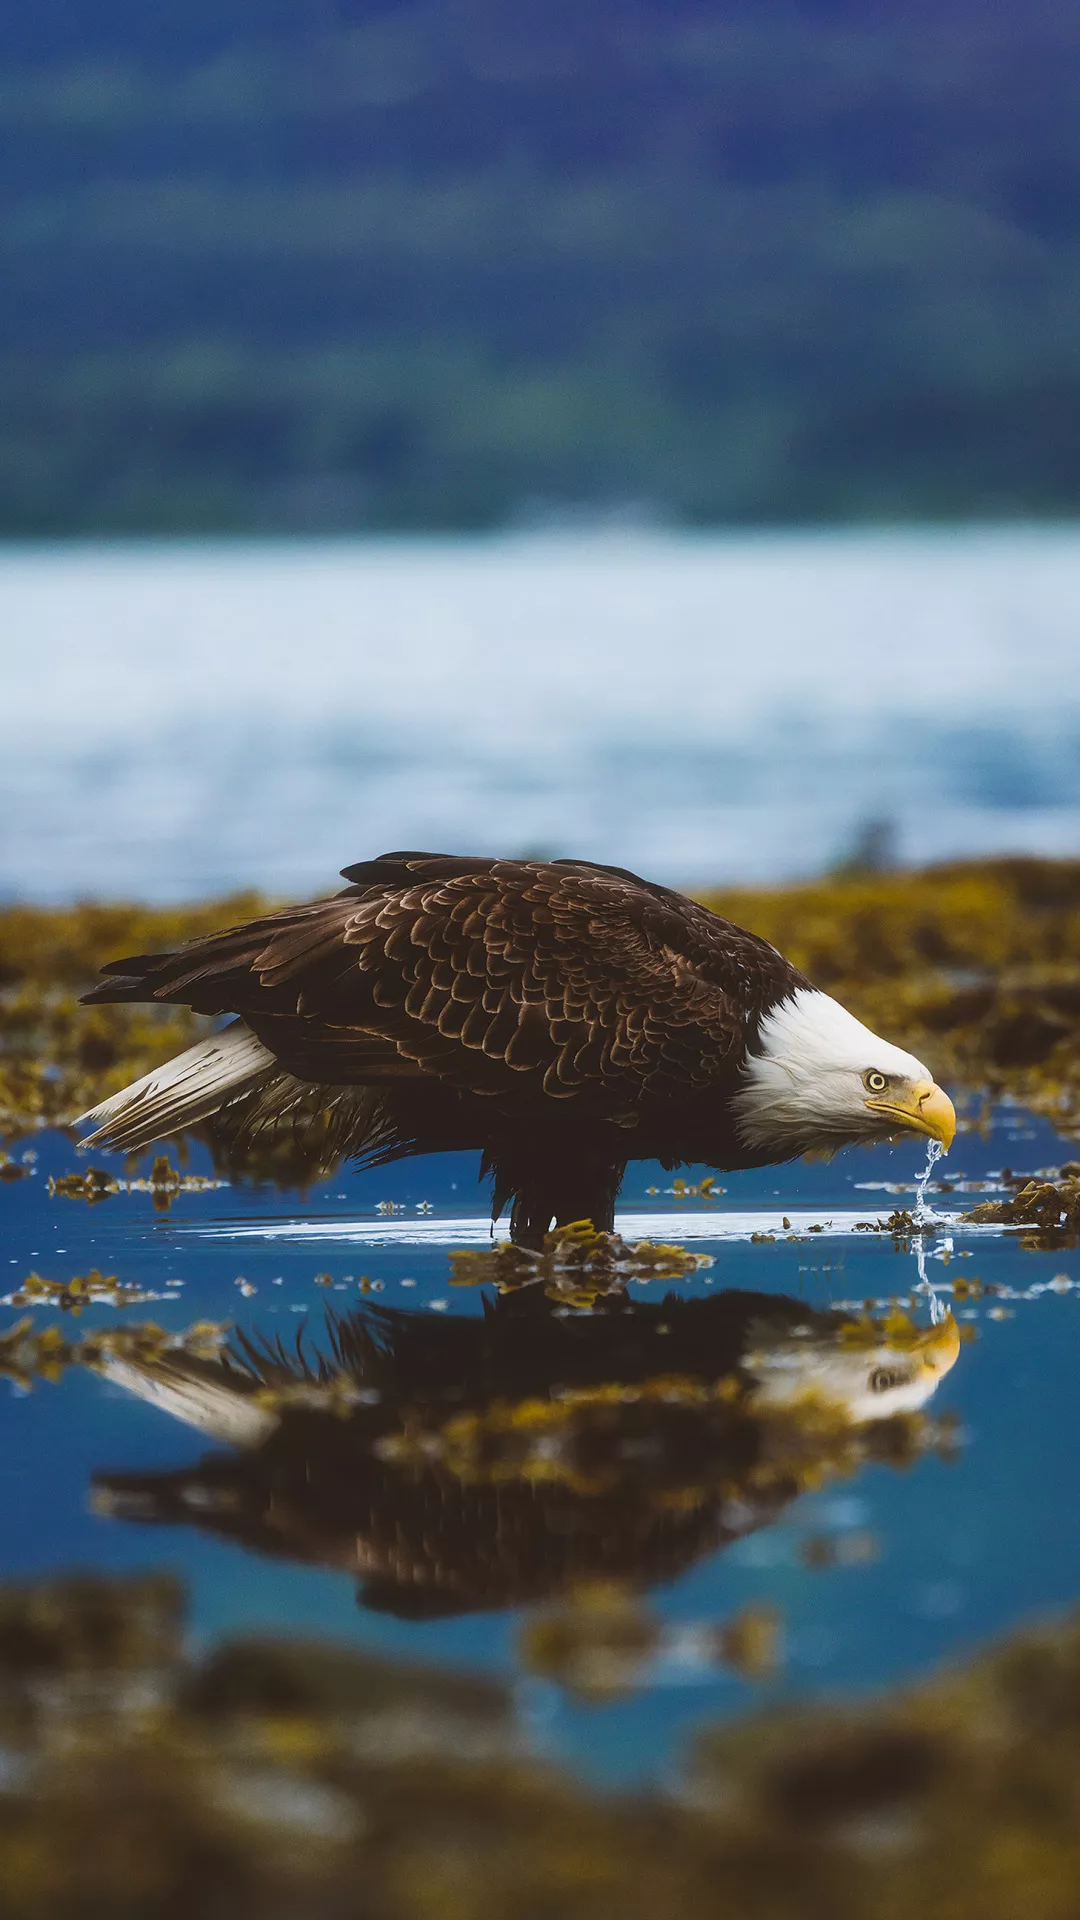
[186, 718]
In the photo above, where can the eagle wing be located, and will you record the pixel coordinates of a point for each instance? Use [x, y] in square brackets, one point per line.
[554, 979]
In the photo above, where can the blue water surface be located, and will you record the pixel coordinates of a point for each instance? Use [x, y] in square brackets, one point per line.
[966, 1546]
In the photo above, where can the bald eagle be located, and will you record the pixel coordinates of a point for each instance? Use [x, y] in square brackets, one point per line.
[562, 1018]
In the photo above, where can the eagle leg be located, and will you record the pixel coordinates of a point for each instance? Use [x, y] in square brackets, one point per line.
[554, 1188]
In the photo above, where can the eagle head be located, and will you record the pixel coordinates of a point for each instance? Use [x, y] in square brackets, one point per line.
[816, 1079]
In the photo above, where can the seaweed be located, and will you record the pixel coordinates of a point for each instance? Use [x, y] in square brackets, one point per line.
[82, 1290]
[27, 1355]
[58, 1058]
[92, 1186]
[601, 1641]
[312, 1781]
[596, 1644]
[576, 1265]
[162, 1183]
[1052, 1209]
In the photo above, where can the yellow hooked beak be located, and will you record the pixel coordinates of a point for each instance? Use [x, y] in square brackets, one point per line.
[939, 1347]
[925, 1109]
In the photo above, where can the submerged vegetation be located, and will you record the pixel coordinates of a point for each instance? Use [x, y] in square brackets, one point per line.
[314, 1782]
[163, 1183]
[974, 966]
[576, 1264]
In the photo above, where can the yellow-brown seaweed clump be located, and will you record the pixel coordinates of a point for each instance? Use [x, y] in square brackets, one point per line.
[82, 1290]
[56, 1057]
[162, 1183]
[306, 1779]
[598, 1642]
[1053, 1209]
[93, 1186]
[582, 1438]
[27, 1355]
[576, 1266]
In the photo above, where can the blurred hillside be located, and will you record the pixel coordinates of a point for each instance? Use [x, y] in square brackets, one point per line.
[312, 264]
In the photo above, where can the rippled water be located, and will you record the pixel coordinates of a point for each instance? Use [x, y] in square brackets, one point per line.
[876, 1571]
[185, 719]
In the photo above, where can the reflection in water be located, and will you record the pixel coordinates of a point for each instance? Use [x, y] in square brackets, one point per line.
[459, 1464]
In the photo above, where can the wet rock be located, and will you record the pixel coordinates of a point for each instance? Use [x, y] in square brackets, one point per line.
[1052, 1208]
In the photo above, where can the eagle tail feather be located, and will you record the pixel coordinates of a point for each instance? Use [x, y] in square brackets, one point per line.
[181, 1092]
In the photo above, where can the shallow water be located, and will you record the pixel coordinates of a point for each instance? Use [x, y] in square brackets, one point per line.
[875, 1573]
[184, 719]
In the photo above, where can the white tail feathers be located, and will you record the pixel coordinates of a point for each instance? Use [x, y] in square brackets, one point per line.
[181, 1092]
[199, 1394]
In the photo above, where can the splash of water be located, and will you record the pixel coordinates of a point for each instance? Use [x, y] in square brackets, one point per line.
[922, 1215]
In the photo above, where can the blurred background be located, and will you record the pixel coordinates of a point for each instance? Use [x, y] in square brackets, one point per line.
[649, 431]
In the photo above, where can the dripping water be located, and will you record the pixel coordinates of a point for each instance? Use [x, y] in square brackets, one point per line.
[922, 1216]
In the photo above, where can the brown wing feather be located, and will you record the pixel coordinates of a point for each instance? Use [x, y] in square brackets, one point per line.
[545, 980]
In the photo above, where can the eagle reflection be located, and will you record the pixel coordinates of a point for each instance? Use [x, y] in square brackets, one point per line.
[458, 1464]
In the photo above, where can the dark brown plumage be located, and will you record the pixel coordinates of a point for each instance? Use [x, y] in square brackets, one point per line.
[561, 1017]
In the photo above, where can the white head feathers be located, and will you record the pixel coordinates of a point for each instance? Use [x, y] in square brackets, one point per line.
[804, 1086]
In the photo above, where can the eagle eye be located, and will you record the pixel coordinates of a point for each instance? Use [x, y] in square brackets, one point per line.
[884, 1378]
[875, 1082]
